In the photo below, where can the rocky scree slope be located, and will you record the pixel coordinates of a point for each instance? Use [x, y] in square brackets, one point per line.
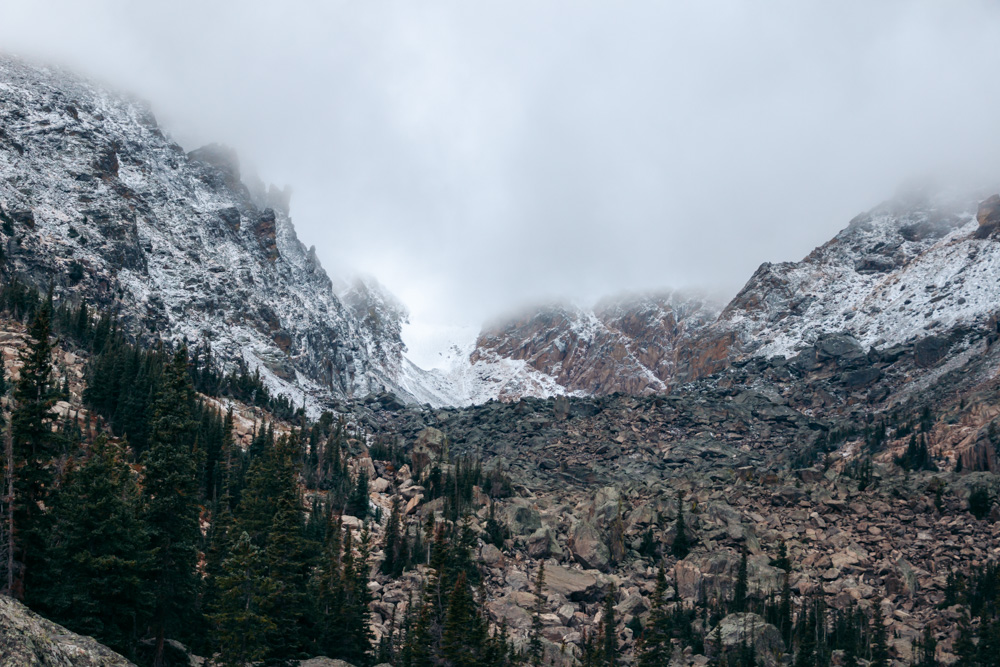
[98, 201]
[765, 451]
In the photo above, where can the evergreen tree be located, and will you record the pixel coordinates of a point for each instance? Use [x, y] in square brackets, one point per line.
[880, 641]
[93, 580]
[358, 503]
[457, 647]
[681, 546]
[535, 652]
[286, 555]
[610, 631]
[391, 564]
[740, 590]
[172, 511]
[927, 653]
[965, 645]
[654, 648]
[241, 624]
[34, 444]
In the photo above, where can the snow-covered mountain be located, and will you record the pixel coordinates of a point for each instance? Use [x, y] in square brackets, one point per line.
[905, 270]
[909, 269]
[96, 200]
[99, 202]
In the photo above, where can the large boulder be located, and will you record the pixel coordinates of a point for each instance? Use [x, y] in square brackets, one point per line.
[431, 446]
[714, 576]
[588, 547]
[752, 629]
[575, 585]
[521, 517]
[27, 640]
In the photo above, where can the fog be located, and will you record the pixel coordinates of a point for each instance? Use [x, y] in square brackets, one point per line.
[475, 156]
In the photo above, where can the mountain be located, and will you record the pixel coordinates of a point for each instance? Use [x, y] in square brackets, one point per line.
[637, 344]
[98, 202]
[905, 270]
[911, 269]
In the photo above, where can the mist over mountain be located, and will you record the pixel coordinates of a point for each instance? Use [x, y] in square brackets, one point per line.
[567, 335]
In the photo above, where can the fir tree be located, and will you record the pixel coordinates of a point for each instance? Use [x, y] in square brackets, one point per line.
[880, 641]
[172, 511]
[610, 638]
[391, 564]
[681, 546]
[456, 645]
[358, 503]
[535, 652]
[93, 580]
[245, 591]
[654, 647]
[34, 444]
[927, 653]
[740, 590]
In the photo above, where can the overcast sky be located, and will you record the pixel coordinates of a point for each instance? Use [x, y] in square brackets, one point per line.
[477, 155]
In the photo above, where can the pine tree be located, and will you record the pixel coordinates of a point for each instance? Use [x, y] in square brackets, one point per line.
[358, 503]
[655, 648]
[287, 560]
[391, 564]
[681, 546]
[928, 649]
[34, 444]
[610, 630]
[245, 591]
[535, 649]
[172, 511]
[93, 580]
[456, 645]
[740, 590]
[880, 642]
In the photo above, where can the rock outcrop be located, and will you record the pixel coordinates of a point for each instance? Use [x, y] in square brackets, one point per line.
[28, 640]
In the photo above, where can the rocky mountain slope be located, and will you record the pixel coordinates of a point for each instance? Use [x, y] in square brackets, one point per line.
[97, 201]
[902, 271]
[636, 344]
[770, 450]
[910, 269]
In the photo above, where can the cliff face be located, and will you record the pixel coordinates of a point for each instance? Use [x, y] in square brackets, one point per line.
[27, 640]
[637, 345]
[97, 201]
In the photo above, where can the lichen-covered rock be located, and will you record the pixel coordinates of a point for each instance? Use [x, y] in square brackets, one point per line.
[752, 629]
[28, 640]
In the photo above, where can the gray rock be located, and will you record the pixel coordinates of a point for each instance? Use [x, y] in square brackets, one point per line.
[765, 638]
[587, 546]
[27, 640]
[574, 585]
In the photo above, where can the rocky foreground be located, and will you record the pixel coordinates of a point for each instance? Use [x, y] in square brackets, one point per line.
[803, 452]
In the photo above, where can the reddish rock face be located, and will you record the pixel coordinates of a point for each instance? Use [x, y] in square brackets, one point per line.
[639, 345]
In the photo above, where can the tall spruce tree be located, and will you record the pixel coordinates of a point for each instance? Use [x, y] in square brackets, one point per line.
[682, 543]
[239, 618]
[34, 445]
[610, 638]
[171, 494]
[655, 648]
[880, 640]
[94, 576]
[740, 590]
[535, 652]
